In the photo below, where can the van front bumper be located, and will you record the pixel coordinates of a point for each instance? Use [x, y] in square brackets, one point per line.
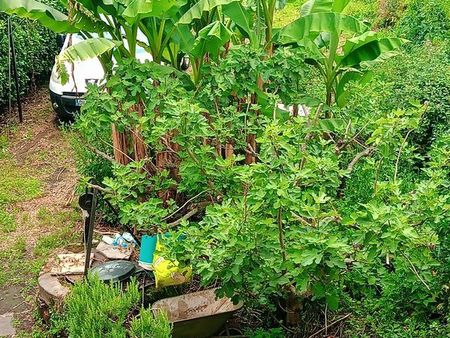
[67, 105]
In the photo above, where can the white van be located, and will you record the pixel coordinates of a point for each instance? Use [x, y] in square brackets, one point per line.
[67, 99]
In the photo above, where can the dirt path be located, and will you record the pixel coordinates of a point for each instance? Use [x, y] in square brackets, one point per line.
[37, 214]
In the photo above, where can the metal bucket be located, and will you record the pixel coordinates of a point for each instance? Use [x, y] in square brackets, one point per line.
[198, 314]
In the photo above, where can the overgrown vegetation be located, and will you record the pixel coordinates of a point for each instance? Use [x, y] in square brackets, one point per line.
[301, 166]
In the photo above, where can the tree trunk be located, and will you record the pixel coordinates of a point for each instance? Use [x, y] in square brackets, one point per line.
[293, 307]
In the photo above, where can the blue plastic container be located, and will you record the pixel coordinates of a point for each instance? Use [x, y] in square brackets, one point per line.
[148, 247]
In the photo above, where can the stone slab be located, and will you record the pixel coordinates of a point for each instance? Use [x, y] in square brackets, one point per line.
[113, 252]
[69, 264]
[6, 325]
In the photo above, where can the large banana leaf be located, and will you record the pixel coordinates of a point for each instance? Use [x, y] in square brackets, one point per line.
[156, 8]
[370, 51]
[88, 49]
[210, 39]
[316, 6]
[46, 15]
[242, 18]
[196, 11]
[359, 40]
[312, 25]
[84, 50]
[184, 38]
[319, 6]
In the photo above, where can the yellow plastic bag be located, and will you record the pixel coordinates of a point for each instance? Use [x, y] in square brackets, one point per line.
[169, 273]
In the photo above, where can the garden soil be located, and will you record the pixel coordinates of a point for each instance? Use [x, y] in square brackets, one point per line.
[39, 147]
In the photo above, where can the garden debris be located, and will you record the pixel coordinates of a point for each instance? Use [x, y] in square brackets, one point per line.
[69, 264]
[148, 247]
[125, 240]
[168, 273]
[114, 271]
[113, 252]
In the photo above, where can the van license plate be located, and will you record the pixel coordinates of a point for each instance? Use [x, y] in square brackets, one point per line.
[79, 102]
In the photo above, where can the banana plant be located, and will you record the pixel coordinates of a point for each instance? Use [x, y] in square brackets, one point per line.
[204, 31]
[111, 31]
[116, 20]
[341, 47]
[210, 24]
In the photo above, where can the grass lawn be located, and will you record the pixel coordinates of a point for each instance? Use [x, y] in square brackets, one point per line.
[37, 213]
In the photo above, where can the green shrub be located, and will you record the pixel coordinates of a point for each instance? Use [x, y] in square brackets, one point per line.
[35, 53]
[425, 20]
[96, 309]
[148, 326]
[415, 77]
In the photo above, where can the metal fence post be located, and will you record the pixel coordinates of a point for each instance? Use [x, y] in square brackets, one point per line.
[14, 69]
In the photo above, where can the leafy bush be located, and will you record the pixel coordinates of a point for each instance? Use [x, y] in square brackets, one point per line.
[425, 20]
[417, 76]
[89, 165]
[390, 301]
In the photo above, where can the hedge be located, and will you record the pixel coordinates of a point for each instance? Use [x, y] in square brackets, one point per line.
[35, 53]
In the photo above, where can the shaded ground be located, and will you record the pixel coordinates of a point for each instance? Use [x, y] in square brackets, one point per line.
[37, 183]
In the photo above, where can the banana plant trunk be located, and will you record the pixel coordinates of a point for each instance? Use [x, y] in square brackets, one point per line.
[139, 146]
[251, 138]
[120, 145]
